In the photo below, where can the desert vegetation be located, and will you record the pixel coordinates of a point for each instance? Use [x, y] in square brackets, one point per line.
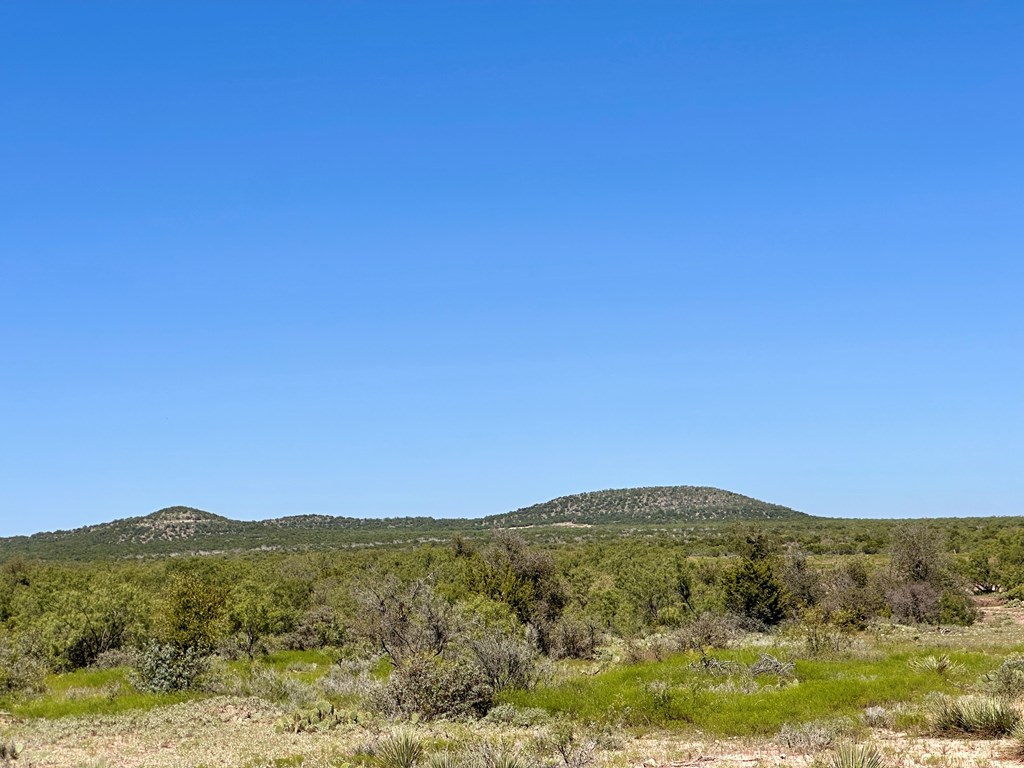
[832, 644]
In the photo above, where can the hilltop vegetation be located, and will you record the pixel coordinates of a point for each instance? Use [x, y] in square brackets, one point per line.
[185, 530]
[659, 504]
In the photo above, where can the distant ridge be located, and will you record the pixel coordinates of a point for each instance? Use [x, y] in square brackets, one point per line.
[658, 504]
[186, 530]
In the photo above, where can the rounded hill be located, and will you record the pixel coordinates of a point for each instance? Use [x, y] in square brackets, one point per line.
[658, 504]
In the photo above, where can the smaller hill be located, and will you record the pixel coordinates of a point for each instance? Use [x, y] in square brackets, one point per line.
[167, 524]
[181, 514]
[659, 504]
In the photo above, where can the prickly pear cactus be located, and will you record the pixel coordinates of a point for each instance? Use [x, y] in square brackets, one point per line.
[10, 751]
[324, 717]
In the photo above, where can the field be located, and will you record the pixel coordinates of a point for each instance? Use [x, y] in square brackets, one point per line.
[745, 645]
[681, 710]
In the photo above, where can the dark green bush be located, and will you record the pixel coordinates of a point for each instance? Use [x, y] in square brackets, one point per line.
[752, 590]
[955, 607]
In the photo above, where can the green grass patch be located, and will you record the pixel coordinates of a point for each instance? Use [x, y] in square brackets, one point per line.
[307, 666]
[673, 694]
[90, 692]
[281, 660]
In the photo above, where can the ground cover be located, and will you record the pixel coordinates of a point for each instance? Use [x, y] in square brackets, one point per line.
[702, 708]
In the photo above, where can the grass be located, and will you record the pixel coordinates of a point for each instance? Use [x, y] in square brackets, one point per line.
[90, 692]
[673, 694]
[109, 691]
[305, 666]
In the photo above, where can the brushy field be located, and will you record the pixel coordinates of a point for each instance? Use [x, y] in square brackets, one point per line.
[896, 696]
[503, 654]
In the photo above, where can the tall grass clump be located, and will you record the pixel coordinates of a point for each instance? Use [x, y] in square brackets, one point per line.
[857, 756]
[975, 715]
[1017, 741]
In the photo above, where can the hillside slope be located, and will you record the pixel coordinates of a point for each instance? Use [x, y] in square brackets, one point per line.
[186, 530]
[659, 504]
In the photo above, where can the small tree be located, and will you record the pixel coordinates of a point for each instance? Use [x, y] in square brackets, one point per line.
[193, 612]
[924, 587]
[802, 582]
[405, 620]
[256, 612]
[752, 590]
[917, 555]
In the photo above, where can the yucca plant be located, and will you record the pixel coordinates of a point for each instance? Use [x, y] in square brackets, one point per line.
[941, 665]
[976, 715]
[494, 756]
[444, 759]
[507, 760]
[402, 749]
[857, 756]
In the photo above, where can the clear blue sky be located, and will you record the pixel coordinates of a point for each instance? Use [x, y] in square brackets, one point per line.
[375, 258]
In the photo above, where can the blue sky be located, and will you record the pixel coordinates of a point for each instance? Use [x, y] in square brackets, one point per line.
[374, 258]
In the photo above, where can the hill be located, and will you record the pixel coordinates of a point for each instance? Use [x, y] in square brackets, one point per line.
[659, 504]
[186, 530]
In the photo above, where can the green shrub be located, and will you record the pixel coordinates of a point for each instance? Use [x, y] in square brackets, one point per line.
[752, 590]
[955, 607]
[975, 715]
[433, 686]
[1008, 680]
[165, 668]
[193, 612]
[20, 670]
